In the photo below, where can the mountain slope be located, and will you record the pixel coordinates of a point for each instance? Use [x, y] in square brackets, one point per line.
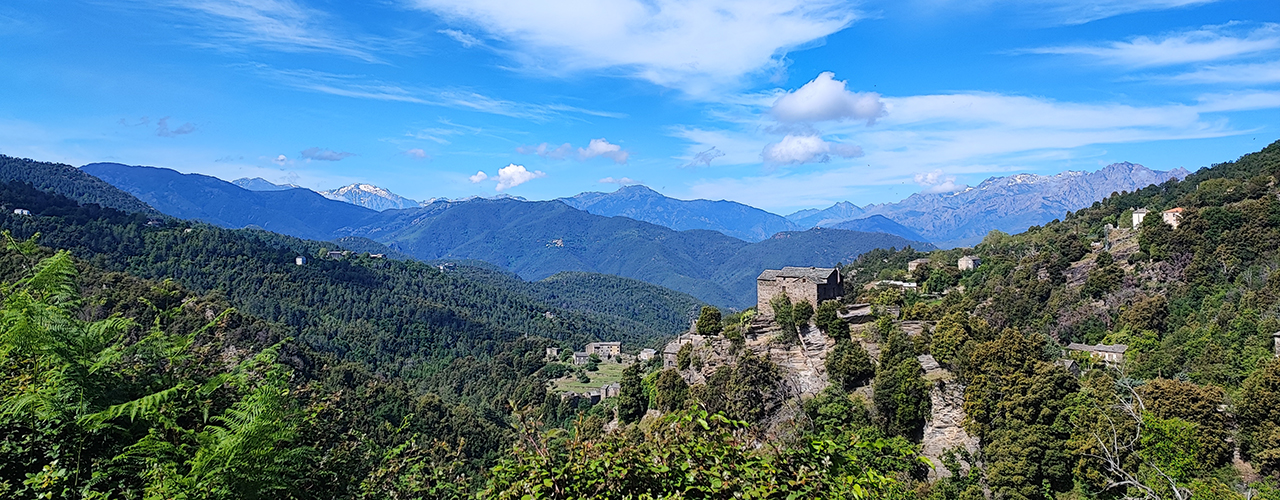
[71, 182]
[369, 196]
[1014, 203]
[838, 212]
[296, 212]
[878, 224]
[644, 204]
[260, 184]
[539, 239]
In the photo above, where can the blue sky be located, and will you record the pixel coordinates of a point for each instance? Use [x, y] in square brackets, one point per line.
[783, 104]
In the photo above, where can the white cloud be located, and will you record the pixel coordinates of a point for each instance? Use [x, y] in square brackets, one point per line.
[508, 177]
[937, 182]
[416, 153]
[162, 128]
[281, 160]
[697, 46]
[1242, 74]
[1246, 101]
[1210, 43]
[823, 99]
[602, 147]
[514, 175]
[546, 151]
[466, 40]
[797, 149]
[595, 148]
[325, 154]
[624, 181]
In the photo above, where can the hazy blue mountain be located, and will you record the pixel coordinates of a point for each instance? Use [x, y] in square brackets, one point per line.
[812, 217]
[295, 212]
[535, 240]
[1014, 203]
[878, 224]
[369, 196]
[260, 184]
[69, 181]
[539, 239]
[644, 204]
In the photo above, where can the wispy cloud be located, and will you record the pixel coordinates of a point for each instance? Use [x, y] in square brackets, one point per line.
[1242, 74]
[623, 181]
[704, 158]
[282, 25]
[1211, 43]
[1072, 12]
[362, 87]
[697, 46]
[595, 148]
[322, 154]
[466, 40]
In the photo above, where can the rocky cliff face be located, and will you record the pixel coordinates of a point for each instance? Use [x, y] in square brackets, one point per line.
[945, 428]
[805, 375]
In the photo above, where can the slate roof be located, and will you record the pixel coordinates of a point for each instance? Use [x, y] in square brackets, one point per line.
[817, 275]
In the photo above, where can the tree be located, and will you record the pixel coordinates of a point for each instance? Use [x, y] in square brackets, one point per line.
[849, 366]
[784, 316]
[827, 319]
[671, 391]
[1258, 413]
[802, 312]
[684, 357]
[709, 324]
[631, 400]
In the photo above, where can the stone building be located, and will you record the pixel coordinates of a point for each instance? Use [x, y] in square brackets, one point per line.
[647, 354]
[1172, 216]
[814, 284]
[1138, 215]
[605, 350]
[1111, 355]
[581, 358]
[915, 264]
[553, 354]
[968, 262]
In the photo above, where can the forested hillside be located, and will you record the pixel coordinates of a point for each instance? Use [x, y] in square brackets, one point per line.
[533, 239]
[1196, 306]
[69, 181]
[440, 329]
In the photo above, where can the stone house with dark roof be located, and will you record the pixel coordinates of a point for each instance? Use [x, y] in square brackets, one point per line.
[814, 284]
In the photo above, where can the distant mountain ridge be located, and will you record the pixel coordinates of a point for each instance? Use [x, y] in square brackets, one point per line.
[533, 239]
[840, 212]
[260, 184]
[369, 196]
[641, 203]
[1014, 203]
[877, 224]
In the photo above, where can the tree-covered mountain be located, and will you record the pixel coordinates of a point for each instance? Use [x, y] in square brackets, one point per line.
[1189, 304]
[297, 212]
[69, 181]
[533, 239]
[644, 204]
[404, 318]
[877, 224]
[539, 239]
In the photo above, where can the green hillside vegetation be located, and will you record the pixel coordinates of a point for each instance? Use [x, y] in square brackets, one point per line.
[1197, 307]
[462, 337]
[69, 181]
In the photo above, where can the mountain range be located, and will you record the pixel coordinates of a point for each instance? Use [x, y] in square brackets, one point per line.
[533, 239]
